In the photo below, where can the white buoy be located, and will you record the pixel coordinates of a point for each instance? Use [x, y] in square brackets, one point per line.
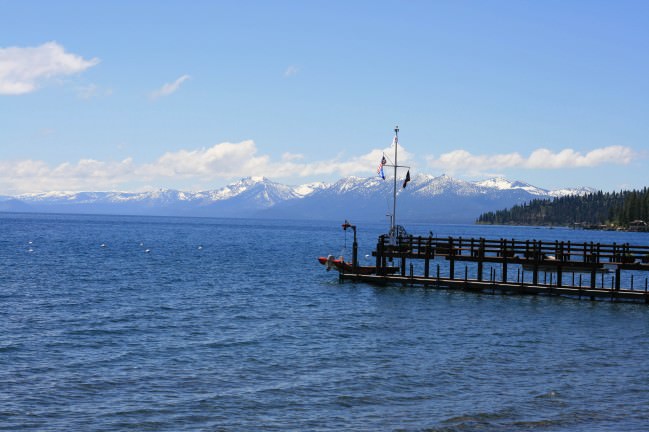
[147, 250]
[103, 245]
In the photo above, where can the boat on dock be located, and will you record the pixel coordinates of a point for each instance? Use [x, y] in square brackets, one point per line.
[396, 232]
[345, 267]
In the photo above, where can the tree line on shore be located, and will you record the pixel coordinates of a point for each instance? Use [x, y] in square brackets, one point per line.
[620, 209]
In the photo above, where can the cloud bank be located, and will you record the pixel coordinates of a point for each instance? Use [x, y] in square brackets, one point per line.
[465, 162]
[227, 161]
[24, 70]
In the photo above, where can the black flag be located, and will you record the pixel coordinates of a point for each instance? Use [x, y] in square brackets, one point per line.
[405, 182]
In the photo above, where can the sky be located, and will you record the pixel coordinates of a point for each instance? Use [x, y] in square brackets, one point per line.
[146, 95]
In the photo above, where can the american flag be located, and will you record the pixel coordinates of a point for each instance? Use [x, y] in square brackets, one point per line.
[379, 171]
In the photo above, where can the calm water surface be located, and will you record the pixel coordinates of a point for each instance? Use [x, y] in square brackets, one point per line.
[214, 324]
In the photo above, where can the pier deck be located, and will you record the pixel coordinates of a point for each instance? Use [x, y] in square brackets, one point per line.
[502, 287]
[584, 270]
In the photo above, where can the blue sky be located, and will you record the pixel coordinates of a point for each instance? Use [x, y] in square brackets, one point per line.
[193, 95]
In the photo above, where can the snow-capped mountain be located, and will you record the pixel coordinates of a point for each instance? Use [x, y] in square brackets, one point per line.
[244, 197]
[571, 191]
[426, 198]
[502, 183]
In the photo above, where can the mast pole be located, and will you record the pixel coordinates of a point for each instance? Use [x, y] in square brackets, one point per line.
[394, 189]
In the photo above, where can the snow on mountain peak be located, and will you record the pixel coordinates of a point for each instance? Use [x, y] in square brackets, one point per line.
[309, 188]
[580, 191]
[500, 183]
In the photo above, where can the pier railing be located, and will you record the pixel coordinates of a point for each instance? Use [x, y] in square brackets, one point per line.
[563, 253]
[530, 259]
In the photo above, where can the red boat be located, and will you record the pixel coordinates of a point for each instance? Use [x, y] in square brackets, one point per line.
[346, 267]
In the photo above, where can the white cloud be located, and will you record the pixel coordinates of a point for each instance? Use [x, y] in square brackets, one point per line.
[287, 156]
[168, 88]
[467, 163]
[23, 70]
[568, 158]
[87, 174]
[204, 167]
[291, 71]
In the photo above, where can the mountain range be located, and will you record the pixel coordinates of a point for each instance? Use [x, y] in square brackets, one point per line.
[439, 199]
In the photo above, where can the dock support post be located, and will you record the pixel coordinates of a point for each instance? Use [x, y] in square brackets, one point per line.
[480, 257]
[379, 253]
[492, 279]
[617, 278]
[427, 259]
[403, 266]
[573, 284]
[451, 259]
[535, 268]
[593, 278]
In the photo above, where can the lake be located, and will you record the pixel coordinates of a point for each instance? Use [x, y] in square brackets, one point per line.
[169, 324]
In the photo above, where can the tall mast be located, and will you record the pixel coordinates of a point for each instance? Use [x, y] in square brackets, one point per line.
[394, 190]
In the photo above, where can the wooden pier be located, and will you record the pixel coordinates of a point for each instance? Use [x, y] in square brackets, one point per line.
[582, 270]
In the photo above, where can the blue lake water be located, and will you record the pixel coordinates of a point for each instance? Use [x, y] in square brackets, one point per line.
[216, 324]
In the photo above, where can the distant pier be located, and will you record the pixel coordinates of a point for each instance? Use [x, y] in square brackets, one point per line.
[617, 272]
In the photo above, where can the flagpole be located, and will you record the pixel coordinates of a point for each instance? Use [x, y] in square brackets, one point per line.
[394, 190]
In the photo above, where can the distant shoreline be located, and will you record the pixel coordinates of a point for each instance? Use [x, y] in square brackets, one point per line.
[595, 227]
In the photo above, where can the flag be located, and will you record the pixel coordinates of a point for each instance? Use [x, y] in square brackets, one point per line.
[379, 171]
[405, 182]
